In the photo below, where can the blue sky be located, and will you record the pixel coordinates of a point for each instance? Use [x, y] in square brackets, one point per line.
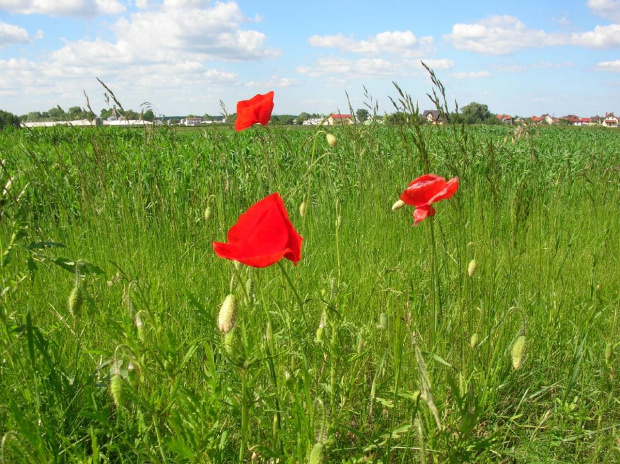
[186, 56]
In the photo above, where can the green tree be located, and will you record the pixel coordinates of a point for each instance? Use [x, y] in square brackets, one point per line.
[57, 114]
[148, 115]
[8, 119]
[362, 114]
[476, 113]
[75, 112]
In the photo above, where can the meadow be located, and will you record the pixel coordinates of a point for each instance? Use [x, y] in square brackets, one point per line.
[487, 333]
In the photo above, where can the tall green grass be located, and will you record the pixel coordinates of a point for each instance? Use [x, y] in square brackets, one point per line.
[377, 365]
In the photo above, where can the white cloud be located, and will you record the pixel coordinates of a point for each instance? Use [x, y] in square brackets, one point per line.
[471, 75]
[609, 9]
[613, 66]
[442, 63]
[509, 68]
[604, 37]
[12, 35]
[168, 35]
[547, 64]
[370, 68]
[274, 82]
[83, 8]
[499, 35]
[398, 42]
[502, 35]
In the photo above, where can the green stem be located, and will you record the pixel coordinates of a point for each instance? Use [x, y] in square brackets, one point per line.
[244, 412]
[297, 297]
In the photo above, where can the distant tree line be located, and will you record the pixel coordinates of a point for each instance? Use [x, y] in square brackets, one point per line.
[474, 113]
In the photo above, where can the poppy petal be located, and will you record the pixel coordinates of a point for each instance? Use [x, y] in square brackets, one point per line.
[262, 236]
[255, 110]
[421, 190]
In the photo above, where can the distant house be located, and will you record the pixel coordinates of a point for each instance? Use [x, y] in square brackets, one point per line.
[595, 120]
[549, 119]
[536, 119]
[504, 118]
[610, 120]
[433, 116]
[585, 121]
[193, 121]
[572, 119]
[337, 118]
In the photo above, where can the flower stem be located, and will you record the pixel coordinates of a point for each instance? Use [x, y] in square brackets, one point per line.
[297, 297]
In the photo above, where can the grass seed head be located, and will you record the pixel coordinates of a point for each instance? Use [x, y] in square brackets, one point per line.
[117, 390]
[75, 301]
[608, 352]
[471, 269]
[302, 209]
[518, 352]
[208, 213]
[228, 314]
[331, 140]
[474, 341]
[398, 205]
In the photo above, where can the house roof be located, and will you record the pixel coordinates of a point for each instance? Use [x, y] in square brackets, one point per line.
[341, 116]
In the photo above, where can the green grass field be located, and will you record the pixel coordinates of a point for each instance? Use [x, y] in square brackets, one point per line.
[392, 353]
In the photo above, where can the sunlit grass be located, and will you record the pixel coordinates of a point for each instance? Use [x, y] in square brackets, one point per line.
[378, 364]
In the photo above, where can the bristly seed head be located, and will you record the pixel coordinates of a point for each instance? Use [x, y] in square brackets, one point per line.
[75, 301]
[228, 314]
[518, 352]
[474, 341]
[208, 213]
[302, 209]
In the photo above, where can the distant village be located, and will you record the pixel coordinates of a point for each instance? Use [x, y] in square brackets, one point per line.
[477, 114]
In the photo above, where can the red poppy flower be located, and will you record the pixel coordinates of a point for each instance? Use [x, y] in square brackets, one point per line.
[255, 110]
[426, 190]
[262, 236]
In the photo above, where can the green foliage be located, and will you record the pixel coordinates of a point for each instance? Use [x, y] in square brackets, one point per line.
[362, 114]
[8, 120]
[368, 355]
[476, 113]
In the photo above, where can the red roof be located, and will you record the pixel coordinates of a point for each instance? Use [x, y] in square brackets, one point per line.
[341, 116]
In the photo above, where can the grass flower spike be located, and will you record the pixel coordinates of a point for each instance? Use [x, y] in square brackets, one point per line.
[262, 236]
[426, 190]
[255, 110]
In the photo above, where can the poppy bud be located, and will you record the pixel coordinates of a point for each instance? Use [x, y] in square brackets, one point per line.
[320, 334]
[398, 205]
[228, 314]
[302, 209]
[289, 380]
[75, 301]
[383, 319]
[518, 350]
[471, 269]
[132, 374]
[269, 332]
[608, 352]
[208, 213]
[316, 455]
[474, 341]
[331, 140]
[140, 326]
